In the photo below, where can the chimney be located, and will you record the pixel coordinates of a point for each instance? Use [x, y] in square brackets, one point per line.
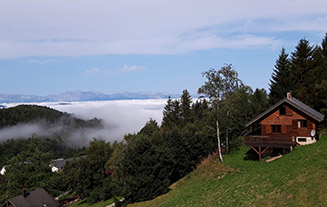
[25, 193]
[289, 95]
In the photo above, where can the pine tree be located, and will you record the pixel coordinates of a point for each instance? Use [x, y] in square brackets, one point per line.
[282, 78]
[167, 113]
[259, 101]
[186, 101]
[302, 65]
[171, 114]
[320, 86]
[324, 46]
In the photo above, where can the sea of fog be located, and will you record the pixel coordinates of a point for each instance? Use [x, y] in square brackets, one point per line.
[120, 117]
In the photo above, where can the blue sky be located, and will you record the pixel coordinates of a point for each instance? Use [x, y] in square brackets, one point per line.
[49, 47]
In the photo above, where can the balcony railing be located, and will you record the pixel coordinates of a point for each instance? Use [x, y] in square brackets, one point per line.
[269, 141]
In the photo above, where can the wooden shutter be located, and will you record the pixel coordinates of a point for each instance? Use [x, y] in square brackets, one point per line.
[284, 131]
[263, 129]
[268, 129]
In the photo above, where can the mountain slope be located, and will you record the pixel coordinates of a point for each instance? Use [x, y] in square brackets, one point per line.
[297, 179]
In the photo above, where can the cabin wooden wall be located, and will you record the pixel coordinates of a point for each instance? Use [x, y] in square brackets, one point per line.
[288, 122]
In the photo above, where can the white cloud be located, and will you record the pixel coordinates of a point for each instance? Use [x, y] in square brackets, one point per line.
[147, 27]
[121, 117]
[36, 61]
[132, 68]
[124, 69]
[92, 71]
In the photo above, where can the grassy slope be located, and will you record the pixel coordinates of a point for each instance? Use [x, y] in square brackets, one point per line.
[297, 179]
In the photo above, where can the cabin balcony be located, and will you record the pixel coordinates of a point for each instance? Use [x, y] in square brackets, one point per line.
[278, 141]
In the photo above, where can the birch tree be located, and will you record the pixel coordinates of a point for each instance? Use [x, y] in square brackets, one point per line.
[218, 85]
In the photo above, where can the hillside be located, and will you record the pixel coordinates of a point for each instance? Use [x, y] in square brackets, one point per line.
[28, 113]
[33, 113]
[59, 132]
[297, 179]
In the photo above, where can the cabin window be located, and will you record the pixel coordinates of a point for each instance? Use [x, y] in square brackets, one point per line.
[282, 110]
[301, 139]
[302, 123]
[276, 128]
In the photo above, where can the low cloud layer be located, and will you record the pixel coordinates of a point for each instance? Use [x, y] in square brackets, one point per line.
[119, 118]
[125, 116]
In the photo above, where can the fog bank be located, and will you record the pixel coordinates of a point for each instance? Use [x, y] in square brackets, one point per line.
[119, 118]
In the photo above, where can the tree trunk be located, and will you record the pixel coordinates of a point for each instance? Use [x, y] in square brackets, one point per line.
[227, 145]
[218, 138]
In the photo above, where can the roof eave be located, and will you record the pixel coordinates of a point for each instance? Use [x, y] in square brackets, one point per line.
[265, 112]
[259, 117]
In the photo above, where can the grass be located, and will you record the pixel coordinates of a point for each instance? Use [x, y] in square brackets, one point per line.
[297, 179]
[83, 203]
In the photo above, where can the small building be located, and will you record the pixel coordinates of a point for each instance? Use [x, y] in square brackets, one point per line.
[58, 165]
[3, 170]
[286, 124]
[36, 198]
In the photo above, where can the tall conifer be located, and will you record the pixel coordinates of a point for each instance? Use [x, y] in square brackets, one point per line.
[320, 86]
[282, 80]
[186, 101]
[302, 65]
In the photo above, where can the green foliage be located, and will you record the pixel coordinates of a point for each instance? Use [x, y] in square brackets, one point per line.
[45, 117]
[230, 102]
[304, 74]
[302, 68]
[87, 176]
[171, 114]
[27, 113]
[283, 79]
[236, 112]
[319, 95]
[151, 128]
[55, 146]
[186, 101]
[29, 169]
[219, 83]
[259, 101]
[142, 170]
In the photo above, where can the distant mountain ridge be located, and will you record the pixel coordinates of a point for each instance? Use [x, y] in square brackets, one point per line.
[74, 96]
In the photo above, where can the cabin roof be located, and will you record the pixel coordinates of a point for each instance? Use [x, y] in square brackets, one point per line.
[38, 197]
[296, 104]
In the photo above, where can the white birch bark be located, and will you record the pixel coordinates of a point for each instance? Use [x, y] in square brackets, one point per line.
[218, 139]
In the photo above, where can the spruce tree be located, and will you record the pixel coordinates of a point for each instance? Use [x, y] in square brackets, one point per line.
[320, 86]
[324, 46]
[282, 80]
[302, 65]
[186, 101]
[259, 101]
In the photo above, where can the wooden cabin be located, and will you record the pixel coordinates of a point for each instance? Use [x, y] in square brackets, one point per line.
[285, 125]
